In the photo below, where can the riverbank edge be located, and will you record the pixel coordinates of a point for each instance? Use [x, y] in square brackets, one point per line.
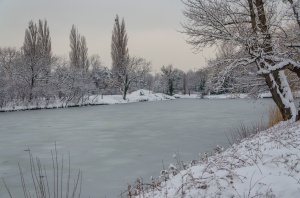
[45, 108]
[263, 165]
[137, 96]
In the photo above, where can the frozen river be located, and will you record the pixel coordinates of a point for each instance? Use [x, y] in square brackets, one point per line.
[115, 144]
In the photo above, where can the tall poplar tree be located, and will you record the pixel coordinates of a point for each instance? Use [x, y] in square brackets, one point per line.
[79, 51]
[125, 69]
[119, 50]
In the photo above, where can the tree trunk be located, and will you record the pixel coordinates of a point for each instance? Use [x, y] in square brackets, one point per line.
[171, 89]
[286, 106]
[126, 87]
[31, 89]
[125, 92]
[276, 81]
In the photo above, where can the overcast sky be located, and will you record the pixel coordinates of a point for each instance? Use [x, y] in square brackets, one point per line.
[151, 27]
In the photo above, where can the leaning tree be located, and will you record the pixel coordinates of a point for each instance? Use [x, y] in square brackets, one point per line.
[255, 28]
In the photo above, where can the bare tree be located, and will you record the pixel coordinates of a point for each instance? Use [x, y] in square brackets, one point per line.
[79, 51]
[84, 60]
[134, 71]
[37, 55]
[7, 61]
[125, 69]
[149, 81]
[44, 45]
[75, 47]
[119, 50]
[100, 75]
[252, 26]
[9, 58]
[184, 83]
[170, 75]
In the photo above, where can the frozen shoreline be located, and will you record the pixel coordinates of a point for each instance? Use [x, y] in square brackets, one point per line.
[137, 96]
[263, 165]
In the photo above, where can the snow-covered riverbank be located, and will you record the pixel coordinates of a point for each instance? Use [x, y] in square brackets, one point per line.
[137, 96]
[264, 165]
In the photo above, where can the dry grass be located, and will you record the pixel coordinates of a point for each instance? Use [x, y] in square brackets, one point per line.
[274, 116]
[248, 154]
[241, 131]
[43, 186]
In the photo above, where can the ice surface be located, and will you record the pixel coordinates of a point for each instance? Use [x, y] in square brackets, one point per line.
[115, 144]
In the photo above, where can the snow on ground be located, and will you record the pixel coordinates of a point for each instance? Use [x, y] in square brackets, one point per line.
[146, 95]
[265, 95]
[137, 96]
[265, 165]
[219, 96]
[192, 96]
[226, 96]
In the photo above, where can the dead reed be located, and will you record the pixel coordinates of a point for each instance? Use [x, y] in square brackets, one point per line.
[274, 116]
[44, 186]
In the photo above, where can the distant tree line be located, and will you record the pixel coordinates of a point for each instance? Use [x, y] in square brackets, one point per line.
[33, 74]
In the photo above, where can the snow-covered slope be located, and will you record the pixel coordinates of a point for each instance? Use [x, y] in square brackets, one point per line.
[265, 165]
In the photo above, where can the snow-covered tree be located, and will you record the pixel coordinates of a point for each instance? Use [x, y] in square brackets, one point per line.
[9, 59]
[134, 71]
[101, 75]
[125, 69]
[241, 79]
[254, 27]
[79, 51]
[158, 83]
[149, 81]
[184, 83]
[37, 56]
[71, 84]
[119, 49]
[171, 76]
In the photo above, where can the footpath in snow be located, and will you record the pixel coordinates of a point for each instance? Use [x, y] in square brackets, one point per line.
[266, 165]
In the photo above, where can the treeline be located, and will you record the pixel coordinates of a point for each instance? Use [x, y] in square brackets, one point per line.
[33, 74]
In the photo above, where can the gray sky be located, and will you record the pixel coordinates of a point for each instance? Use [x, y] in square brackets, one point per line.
[151, 27]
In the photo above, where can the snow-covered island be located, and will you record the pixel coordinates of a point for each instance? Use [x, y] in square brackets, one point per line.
[263, 165]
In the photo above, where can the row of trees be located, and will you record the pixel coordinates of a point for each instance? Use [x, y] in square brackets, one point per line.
[33, 74]
[255, 55]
